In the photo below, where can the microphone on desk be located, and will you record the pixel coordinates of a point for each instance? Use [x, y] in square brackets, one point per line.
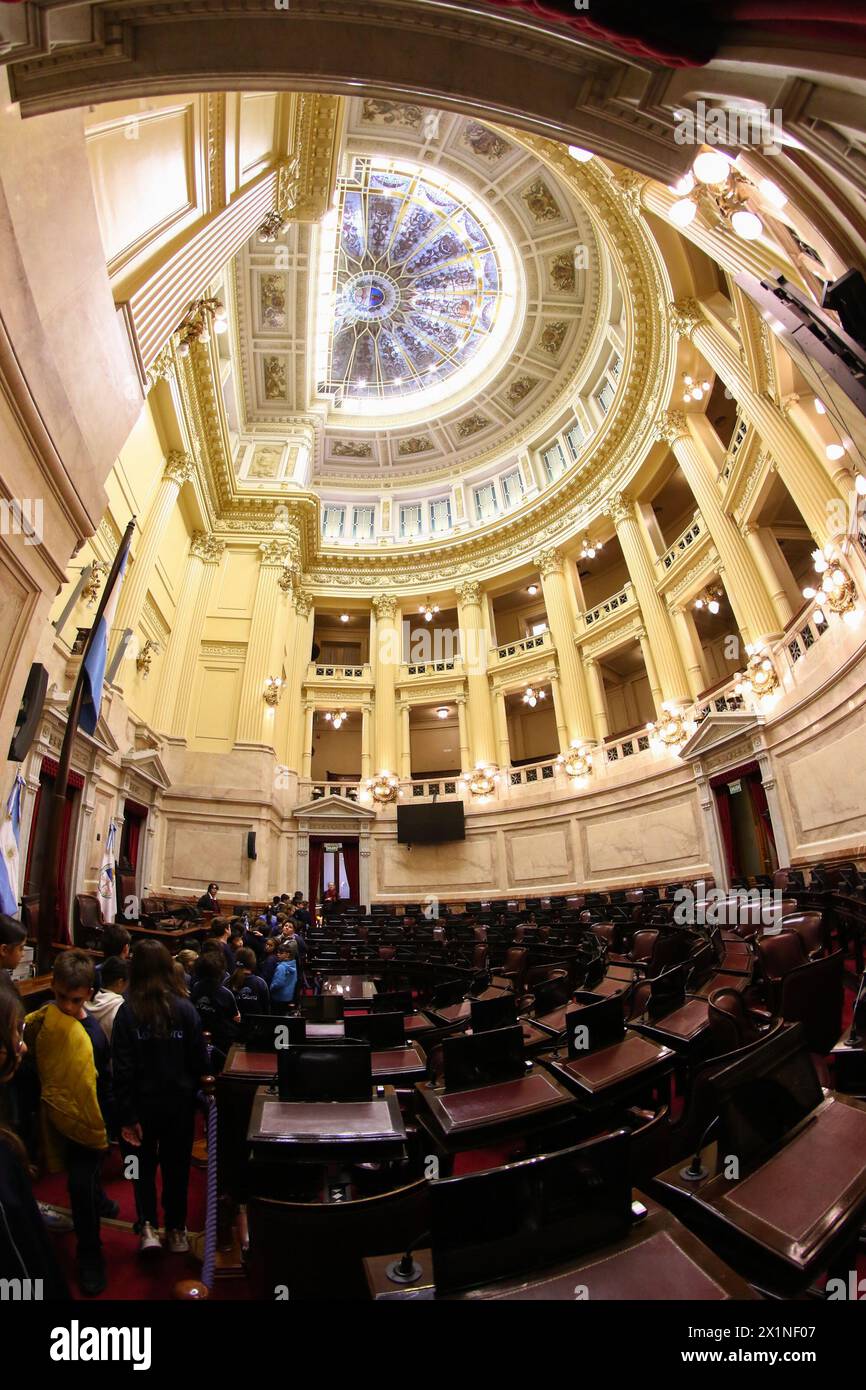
[406, 1270]
[696, 1172]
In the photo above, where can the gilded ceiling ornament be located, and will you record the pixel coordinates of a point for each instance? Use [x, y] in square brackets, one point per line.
[274, 552]
[520, 388]
[553, 336]
[548, 561]
[276, 378]
[629, 184]
[206, 547]
[483, 141]
[303, 601]
[684, 317]
[415, 444]
[384, 112]
[384, 605]
[541, 202]
[472, 424]
[179, 467]
[351, 449]
[562, 272]
[670, 426]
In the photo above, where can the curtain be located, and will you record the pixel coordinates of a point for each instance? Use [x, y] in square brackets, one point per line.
[316, 855]
[763, 823]
[135, 825]
[350, 859]
[61, 932]
[723, 802]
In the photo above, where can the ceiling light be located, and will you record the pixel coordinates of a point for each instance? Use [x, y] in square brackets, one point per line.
[683, 212]
[711, 166]
[344, 617]
[582, 156]
[442, 712]
[428, 609]
[532, 696]
[860, 485]
[532, 590]
[746, 224]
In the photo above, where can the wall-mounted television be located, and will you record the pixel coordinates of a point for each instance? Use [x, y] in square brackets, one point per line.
[431, 824]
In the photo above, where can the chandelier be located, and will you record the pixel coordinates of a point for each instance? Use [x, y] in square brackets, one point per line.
[694, 390]
[760, 678]
[589, 549]
[671, 731]
[428, 609]
[837, 592]
[381, 789]
[721, 190]
[336, 720]
[711, 599]
[481, 781]
[576, 764]
[531, 696]
[203, 315]
[273, 226]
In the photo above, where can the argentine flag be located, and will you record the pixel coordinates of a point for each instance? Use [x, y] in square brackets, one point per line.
[97, 656]
[10, 832]
[107, 889]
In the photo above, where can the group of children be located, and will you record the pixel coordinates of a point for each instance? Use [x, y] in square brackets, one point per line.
[117, 1057]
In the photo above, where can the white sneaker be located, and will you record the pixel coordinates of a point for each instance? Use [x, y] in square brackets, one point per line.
[148, 1239]
[54, 1219]
[178, 1242]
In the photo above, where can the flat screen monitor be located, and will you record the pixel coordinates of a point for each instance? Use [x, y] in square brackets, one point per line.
[668, 990]
[261, 1032]
[333, 1070]
[449, 993]
[764, 1096]
[481, 1059]
[379, 1030]
[431, 824]
[500, 1011]
[393, 1001]
[552, 994]
[529, 1215]
[603, 1021]
[322, 1008]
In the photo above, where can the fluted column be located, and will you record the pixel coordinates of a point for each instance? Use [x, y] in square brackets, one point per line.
[386, 660]
[802, 472]
[755, 615]
[473, 646]
[651, 672]
[179, 468]
[782, 605]
[671, 677]
[366, 750]
[166, 695]
[598, 699]
[300, 643]
[503, 744]
[405, 742]
[559, 714]
[573, 692]
[690, 650]
[463, 728]
[307, 742]
[255, 717]
[208, 550]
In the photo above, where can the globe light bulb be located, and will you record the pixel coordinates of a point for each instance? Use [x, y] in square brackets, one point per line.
[810, 592]
[820, 407]
[860, 485]
[683, 186]
[713, 605]
[773, 193]
[835, 451]
[683, 212]
[747, 224]
[711, 166]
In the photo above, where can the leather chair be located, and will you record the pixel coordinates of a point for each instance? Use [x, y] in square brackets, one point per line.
[643, 944]
[732, 1023]
[812, 994]
[513, 968]
[86, 921]
[809, 926]
[607, 932]
[778, 956]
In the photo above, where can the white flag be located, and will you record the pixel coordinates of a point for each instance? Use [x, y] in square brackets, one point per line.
[107, 889]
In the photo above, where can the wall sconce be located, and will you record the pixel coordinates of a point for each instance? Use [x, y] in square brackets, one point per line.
[203, 315]
[838, 591]
[723, 192]
[531, 696]
[577, 764]
[671, 731]
[481, 781]
[442, 712]
[90, 592]
[273, 690]
[760, 678]
[381, 789]
[145, 657]
[336, 720]
[273, 226]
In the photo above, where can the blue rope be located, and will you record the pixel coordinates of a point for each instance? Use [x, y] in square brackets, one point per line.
[210, 1222]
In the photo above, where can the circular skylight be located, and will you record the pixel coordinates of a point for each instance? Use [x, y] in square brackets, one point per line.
[415, 289]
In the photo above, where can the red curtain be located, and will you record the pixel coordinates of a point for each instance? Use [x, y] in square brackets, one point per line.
[316, 853]
[61, 932]
[761, 809]
[350, 859]
[723, 802]
[132, 842]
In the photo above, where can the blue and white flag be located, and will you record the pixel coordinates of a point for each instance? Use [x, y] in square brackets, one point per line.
[107, 887]
[97, 657]
[10, 834]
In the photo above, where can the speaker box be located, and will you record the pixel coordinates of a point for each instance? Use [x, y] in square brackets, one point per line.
[251, 844]
[29, 714]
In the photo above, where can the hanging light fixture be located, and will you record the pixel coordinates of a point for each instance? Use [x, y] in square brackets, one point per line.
[338, 719]
[481, 781]
[381, 789]
[205, 314]
[720, 189]
[532, 590]
[671, 731]
[588, 548]
[531, 696]
[577, 764]
[711, 599]
[694, 390]
[428, 610]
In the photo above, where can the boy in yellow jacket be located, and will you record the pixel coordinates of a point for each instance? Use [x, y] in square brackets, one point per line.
[72, 1127]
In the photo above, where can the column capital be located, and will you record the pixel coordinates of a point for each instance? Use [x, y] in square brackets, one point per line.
[303, 601]
[684, 316]
[671, 425]
[468, 593]
[384, 605]
[620, 508]
[179, 467]
[548, 561]
[206, 547]
[273, 553]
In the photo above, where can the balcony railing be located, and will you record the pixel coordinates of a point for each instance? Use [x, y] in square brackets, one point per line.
[683, 543]
[611, 607]
[523, 645]
[430, 668]
[736, 444]
[533, 774]
[623, 746]
[325, 671]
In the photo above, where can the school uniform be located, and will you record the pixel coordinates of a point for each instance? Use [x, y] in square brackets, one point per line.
[284, 984]
[267, 967]
[217, 1010]
[253, 996]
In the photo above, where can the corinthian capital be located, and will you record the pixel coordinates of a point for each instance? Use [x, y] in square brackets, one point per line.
[179, 467]
[684, 317]
[548, 561]
[384, 605]
[303, 601]
[274, 552]
[619, 508]
[206, 548]
[468, 593]
[671, 425]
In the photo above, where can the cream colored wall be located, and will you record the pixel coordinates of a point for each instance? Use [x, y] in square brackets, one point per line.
[337, 751]
[428, 743]
[629, 703]
[532, 733]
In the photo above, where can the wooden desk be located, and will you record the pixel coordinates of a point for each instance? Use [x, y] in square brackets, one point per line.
[658, 1260]
[459, 1120]
[791, 1213]
[35, 992]
[686, 1029]
[186, 932]
[320, 1131]
[609, 1075]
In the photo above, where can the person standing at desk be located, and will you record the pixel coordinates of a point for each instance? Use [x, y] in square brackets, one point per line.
[285, 980]
[330, 895]
[208, 901]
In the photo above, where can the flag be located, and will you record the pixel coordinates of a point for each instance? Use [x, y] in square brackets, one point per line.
[97, 655]
[106, 888]
[10, 834]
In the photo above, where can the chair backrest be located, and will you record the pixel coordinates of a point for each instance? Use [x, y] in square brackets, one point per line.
[780, 954]
[644, 943]
[812, 994]
[729, 1020]
[809, 926]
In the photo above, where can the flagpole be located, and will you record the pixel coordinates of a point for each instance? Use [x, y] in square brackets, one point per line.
[48, 890]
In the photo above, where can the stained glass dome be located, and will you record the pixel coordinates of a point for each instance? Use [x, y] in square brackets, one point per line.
[417, 286]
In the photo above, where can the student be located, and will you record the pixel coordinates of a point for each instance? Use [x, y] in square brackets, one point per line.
[249, 989]
[107, 1000]
[25, 1249]
[208, 901]
[288, 937]
[302, 917]
[285, 980]
[116, 942]
[187, 959]
[13, 939]
[216, 1005]
[219, 932]
[62, 1040]
[268, 962]
[158, 1057]
[236, 942]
